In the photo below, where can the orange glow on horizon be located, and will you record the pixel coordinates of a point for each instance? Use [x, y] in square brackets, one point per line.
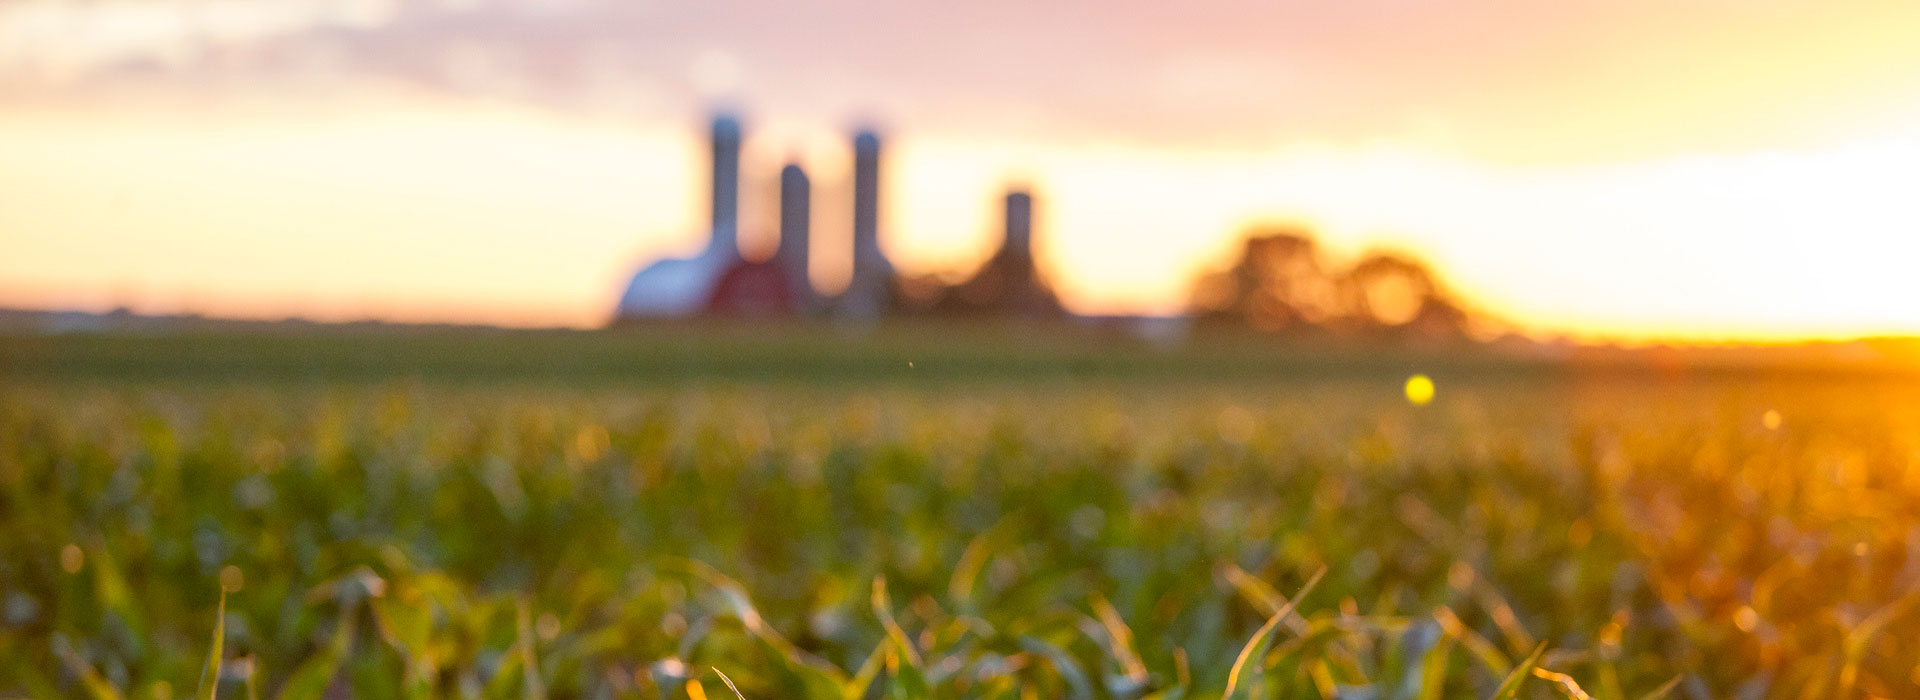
[509, 216]
[1622, 170]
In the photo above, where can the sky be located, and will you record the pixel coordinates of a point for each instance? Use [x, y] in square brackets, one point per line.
[1690, 170]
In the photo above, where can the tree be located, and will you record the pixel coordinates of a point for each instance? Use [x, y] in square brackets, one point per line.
[1279, 284]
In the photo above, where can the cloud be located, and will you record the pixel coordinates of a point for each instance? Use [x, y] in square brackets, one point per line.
[1495, 78]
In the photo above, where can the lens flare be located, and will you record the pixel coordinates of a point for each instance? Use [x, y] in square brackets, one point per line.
[1419, 390]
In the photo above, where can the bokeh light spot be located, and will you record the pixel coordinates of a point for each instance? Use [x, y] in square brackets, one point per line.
[232, 579]
[71, 559]
[1419, 390]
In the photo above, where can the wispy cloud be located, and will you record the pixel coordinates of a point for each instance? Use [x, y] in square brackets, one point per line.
[1499, 78]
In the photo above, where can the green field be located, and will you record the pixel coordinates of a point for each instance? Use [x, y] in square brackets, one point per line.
[971, 514]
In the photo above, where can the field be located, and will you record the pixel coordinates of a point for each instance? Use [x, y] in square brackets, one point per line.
[532, 516]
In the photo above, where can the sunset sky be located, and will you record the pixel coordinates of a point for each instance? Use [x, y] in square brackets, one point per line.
[1623, 169]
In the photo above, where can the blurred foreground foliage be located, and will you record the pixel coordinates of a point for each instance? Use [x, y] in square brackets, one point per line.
[1026, 539]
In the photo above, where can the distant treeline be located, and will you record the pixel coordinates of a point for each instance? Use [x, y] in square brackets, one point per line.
[1281, 284]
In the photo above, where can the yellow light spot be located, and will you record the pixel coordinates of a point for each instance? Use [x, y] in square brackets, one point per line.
[1579, 533]
[1746, 619]
[231, 579]
[1419, 390]
[694, 691]
[591, 442]
[71, 558]
[1771, 419]
[1460, 576]
[1236, 424]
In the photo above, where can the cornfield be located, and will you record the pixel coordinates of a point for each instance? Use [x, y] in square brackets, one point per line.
[1153, 537]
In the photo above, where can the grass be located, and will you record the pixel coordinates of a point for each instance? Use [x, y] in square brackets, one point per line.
[1033, 534]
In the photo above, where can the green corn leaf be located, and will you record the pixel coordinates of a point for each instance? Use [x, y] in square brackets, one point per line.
[1253, 655]
[210, 674]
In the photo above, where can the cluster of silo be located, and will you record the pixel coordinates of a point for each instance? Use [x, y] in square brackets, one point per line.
[718, 281]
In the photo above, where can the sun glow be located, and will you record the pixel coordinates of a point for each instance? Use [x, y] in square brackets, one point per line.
[1754, 246]
[519, 216]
